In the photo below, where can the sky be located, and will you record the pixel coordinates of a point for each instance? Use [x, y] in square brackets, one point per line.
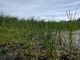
[40, 9]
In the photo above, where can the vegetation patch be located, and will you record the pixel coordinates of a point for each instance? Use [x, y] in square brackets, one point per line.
[29, 39]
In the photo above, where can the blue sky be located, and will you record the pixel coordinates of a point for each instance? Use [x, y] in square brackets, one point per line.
[40, 9]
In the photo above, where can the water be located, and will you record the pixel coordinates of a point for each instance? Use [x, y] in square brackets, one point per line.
[65, 38]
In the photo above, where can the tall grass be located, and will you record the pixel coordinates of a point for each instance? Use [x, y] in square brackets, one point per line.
[43, 39]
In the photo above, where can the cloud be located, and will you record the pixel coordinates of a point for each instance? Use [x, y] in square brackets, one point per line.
[52, 9]
[61, 16]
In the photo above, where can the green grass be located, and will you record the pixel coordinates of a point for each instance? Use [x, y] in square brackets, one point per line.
[42, 39]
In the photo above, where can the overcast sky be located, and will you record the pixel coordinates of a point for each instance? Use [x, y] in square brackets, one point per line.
[41, 9]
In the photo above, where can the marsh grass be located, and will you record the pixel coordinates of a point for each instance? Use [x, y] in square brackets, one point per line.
[38, 39]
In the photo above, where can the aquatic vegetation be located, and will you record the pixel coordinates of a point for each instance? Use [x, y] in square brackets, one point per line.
[29, 39]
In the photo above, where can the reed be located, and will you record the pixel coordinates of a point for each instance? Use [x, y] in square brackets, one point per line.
[41, 38]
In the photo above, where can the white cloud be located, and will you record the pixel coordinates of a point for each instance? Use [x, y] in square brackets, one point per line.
[74, 3]
[52, 9]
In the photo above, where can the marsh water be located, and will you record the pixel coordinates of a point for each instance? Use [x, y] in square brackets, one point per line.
[65, 37]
